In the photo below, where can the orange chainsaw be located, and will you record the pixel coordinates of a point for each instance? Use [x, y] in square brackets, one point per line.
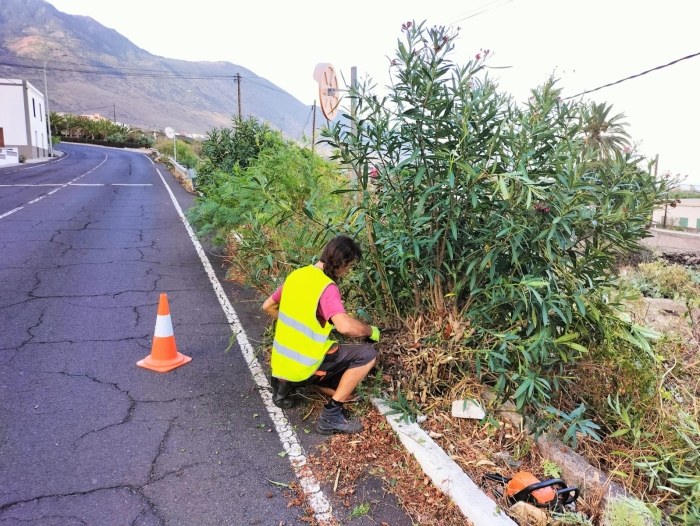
[524, 486]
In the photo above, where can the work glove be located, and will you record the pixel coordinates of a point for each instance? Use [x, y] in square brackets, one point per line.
[375, 334]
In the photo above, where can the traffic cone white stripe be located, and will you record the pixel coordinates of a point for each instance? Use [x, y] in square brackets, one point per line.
[164, 327]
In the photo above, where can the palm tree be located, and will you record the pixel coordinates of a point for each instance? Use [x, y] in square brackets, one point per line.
[58, 123]
[605, 134]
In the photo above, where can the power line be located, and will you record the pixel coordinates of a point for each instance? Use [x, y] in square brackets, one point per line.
[307, 122]
[585, 92]
[265, 86]
[161, 75]
[188, 76]
[118, 68]
[457, 18]
[484, 10]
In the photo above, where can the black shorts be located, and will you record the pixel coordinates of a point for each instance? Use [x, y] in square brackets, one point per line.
[336, 363]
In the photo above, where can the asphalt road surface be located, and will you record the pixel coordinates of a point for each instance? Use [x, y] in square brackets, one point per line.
[87, 245]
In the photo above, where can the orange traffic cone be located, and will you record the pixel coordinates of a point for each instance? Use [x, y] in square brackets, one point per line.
[164, 356]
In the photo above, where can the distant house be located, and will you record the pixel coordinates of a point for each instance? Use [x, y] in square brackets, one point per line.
[93, 117]
[23, 127]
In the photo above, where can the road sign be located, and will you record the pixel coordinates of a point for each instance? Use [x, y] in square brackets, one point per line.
[328, 93]
[169, 133]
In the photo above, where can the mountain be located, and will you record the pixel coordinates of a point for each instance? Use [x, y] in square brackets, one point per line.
[131, 78]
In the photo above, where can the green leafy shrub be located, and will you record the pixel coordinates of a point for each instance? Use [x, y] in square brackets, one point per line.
[656, 279]
[185, 155]
[116, 137]
[275, 214]
[147, 142]
[475, 208]
[625, 511]
[226, 150]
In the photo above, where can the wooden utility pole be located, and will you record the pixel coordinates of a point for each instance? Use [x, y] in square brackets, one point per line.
[656, 172]
[353, 94]
[313, 130]
[238, 79]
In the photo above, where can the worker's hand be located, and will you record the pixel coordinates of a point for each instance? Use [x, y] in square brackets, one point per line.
[375, 334]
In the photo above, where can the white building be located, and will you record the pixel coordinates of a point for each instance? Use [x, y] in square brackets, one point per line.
[23, 127]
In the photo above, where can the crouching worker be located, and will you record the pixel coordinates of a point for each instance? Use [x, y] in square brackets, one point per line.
[305, 307]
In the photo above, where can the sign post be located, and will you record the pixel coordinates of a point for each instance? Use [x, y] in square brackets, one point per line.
[170, 134]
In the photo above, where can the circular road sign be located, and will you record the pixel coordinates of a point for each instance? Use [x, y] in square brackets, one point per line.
[328, 94]
[169, 132]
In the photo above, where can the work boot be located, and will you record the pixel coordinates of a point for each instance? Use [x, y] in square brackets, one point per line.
[281, 391]
[334, 420]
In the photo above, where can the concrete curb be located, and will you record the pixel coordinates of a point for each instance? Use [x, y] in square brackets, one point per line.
[444, 472]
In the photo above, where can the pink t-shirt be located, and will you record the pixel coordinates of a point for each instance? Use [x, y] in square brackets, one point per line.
[329, 305]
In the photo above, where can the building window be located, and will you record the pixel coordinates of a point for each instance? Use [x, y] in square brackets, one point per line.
[41, 113]
[34, 107]
[683, 222]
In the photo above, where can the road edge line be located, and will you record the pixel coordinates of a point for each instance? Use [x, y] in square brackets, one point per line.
[290, 442]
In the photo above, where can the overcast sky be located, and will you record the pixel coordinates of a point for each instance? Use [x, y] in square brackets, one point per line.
[587, 43]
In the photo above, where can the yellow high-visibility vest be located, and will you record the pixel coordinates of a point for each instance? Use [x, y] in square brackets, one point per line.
[300, 341]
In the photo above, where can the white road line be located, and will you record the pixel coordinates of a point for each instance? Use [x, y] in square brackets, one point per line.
[134, 184]
[315, 496]
[85, 184]
[147, 157]
[25, 168]
[11, 212]
[56, 189]
[25, 185]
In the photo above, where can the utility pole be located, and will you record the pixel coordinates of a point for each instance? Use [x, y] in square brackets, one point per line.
[656, 172]
[115, 113]
[353, 94]
[238, 79]
[313, 130]
[48, 112]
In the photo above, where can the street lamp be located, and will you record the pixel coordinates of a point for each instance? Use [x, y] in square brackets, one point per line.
[48, 110]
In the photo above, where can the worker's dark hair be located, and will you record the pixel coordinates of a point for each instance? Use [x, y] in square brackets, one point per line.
[340, 252]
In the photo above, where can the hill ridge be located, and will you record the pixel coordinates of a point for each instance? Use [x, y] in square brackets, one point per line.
[191, 96]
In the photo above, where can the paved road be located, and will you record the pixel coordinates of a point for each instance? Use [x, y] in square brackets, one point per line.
[86, 437]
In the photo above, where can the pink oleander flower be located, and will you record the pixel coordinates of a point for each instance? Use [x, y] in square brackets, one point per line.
[478, 56]
[373, 172]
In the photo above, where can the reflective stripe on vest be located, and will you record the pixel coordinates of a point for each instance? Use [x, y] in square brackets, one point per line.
[300, 341]
[318, 337]
[292, 354]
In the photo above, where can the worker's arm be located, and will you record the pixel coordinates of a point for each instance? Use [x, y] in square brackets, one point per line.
[271, 307]
[349, 326]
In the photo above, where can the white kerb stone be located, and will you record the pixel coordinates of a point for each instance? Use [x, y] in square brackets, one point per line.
[467, 409]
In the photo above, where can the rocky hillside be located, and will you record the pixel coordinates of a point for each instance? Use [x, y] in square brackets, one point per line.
[95, 67]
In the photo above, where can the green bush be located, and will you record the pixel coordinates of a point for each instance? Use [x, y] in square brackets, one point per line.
[185, 155]
[116, 137]
[147, 142]
[496, 216]
[275, 214]
[226, 151]
[656, 279]
[626, 511]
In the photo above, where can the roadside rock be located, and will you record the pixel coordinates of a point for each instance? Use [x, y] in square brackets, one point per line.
[467, 409]
[577, 471]
[529, 514]
[506, 411]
